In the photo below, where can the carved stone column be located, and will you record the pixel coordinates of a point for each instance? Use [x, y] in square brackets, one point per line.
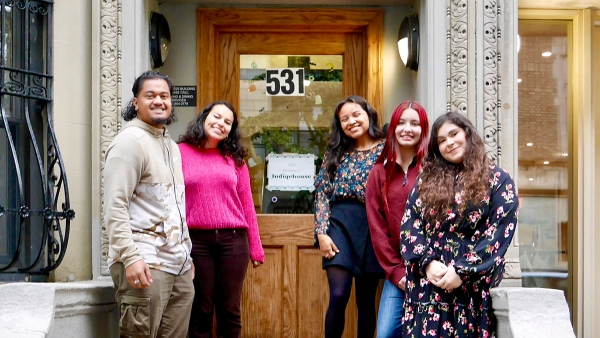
[481, 83]
[121, 47]
[107, 121]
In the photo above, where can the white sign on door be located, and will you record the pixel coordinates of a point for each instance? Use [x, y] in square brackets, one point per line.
[291, 172]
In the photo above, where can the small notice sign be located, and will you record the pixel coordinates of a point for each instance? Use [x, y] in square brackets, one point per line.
[291, 172]
[184, 96]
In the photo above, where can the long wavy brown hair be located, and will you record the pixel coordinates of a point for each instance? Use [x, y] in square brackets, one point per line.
[441, 179]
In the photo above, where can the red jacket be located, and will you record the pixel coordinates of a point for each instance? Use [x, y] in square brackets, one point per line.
[385, 226]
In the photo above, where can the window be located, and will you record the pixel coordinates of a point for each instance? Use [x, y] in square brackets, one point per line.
[33, 187]
[544, 153]
[292, 125]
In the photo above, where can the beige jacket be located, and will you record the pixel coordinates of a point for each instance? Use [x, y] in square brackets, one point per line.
[144, 200]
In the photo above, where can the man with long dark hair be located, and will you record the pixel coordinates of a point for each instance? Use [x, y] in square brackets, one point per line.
[144, 213]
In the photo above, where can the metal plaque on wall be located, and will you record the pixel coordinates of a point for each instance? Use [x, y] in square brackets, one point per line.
[184, 96]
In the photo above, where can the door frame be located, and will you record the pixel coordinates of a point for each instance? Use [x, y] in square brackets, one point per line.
[223, 34]
[583, 173]
[211, 22]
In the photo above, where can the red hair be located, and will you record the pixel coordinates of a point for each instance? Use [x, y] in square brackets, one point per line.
[391, 148]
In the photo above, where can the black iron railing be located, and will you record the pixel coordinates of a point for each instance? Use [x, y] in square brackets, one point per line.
[35, 209]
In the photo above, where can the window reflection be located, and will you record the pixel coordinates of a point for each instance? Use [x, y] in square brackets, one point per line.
[286, 124]
[544, 153]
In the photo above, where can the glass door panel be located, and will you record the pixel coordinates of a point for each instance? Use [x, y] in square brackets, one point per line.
[286, 124]
[544, 153]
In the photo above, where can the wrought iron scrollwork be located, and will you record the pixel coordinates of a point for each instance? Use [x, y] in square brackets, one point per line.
[47, 213]
[8, 3]
[38, 88]
[14, 86]
[54, 240]
[25, 88]
[25, 83]
[37, 7]
[33, 6]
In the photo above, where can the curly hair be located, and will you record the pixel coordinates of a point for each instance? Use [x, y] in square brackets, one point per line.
[129, 112]
[196, 135]
[338, 142]
[390, 149]
[437, 187]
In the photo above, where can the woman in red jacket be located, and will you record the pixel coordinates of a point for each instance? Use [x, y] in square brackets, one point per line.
[388, 186]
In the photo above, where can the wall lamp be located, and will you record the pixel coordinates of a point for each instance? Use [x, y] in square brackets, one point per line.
[160, 39]
[408, 41]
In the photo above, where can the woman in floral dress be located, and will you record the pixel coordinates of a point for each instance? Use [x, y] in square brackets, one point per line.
[459, 221]
[341, 230]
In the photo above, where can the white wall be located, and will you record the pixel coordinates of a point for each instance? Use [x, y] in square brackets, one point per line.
[430, 80]
[72, 122]
[596, 94]
[136, 44]
[180, 64]
[398, 82]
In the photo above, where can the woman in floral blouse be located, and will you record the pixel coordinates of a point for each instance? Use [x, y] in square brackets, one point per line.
[341, 230]
[459, 221]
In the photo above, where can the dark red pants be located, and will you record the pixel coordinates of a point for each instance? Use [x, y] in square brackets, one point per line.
[221, 258]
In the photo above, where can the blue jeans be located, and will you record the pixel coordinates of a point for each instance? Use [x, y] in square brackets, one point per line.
[391, 310]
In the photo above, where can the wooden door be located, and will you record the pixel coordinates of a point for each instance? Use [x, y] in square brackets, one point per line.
[288, 295]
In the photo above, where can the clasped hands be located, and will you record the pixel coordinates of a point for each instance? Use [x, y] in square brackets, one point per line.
[442, 276]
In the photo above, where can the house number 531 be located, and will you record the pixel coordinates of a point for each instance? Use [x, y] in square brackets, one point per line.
[285, 82]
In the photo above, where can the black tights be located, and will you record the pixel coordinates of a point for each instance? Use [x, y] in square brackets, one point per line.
[340, 286]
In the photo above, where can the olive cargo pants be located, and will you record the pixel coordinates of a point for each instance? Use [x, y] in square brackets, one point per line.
[161, 310]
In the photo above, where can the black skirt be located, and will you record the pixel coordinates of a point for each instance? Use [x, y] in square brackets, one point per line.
[349, 230]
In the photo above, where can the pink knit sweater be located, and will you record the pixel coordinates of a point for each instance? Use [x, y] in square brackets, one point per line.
[218, 195]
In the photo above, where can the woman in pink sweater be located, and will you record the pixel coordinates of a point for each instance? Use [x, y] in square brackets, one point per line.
[221, 218]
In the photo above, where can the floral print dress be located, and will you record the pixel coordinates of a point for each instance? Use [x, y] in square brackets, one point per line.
[349, 182]
[474, 244]
[341, 214]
